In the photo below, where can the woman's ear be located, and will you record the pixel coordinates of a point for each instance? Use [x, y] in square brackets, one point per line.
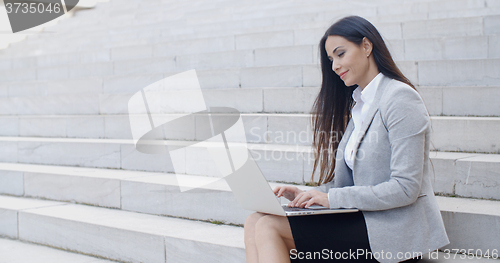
[367, 46]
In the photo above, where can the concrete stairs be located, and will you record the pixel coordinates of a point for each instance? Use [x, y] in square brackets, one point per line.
[71, 179]
[15, 251]
[129, 216]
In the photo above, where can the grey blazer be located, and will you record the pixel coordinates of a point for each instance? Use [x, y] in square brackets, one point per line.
[391, 178]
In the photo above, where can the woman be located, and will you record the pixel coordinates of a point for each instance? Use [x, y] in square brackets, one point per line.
[381, 165]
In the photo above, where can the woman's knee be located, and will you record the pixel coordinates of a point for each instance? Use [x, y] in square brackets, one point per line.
[267, 225]
[252, 220]
[249, 225]
[273, 226]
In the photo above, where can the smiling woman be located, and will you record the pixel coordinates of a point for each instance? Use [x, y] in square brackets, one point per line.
[349, 60]
[387, 178]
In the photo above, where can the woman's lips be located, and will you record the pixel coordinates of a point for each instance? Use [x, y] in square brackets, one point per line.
[343, 74]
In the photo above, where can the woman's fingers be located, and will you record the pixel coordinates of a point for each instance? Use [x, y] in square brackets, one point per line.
[281, 191]
[306, 199]
[286, 191]
[301, 198]
[289, 192]
[309, 203]
[277, 190]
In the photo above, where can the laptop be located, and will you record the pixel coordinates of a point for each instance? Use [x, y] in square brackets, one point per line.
[254, 193]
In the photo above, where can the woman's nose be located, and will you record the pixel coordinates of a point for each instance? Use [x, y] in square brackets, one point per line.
[335, 66]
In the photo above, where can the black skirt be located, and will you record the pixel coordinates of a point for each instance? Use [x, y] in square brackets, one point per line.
[320, 238]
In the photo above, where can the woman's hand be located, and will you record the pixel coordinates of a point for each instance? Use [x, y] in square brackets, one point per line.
[289, 192]
[311, 197]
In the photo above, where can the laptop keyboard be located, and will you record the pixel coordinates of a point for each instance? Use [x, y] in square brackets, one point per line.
[291, 209]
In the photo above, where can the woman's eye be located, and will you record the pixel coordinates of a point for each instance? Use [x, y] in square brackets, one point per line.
[340, 54]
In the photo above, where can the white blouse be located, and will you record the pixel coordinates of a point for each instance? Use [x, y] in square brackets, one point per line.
[363, 98]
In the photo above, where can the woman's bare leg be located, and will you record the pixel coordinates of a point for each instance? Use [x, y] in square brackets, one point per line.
[273, 238]
[268, 238]
[250, 246]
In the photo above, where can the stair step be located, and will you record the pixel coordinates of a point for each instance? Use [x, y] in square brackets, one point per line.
[158, 193]
[478, 72]
[144, 192]
[463, 174]
[110, 95]
[208, 27]
[469, 223]
[449, 133]
[120, 235]
[218, 54]
[129, 236]
[15, 251]
[465, 100]
[474, 26]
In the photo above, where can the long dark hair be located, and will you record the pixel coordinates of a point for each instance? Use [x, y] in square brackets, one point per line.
[332, 108]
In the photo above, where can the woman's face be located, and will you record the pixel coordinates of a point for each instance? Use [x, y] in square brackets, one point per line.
[350, 61]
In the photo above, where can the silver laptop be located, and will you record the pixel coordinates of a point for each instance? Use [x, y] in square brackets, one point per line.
[254, 193]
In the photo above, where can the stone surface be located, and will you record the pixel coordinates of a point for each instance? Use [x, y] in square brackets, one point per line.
[226, 59]
[187, 46]
[311, 76]
[143, 66]
[283, 56]
[57, 60]
[219, 78]
[133, 52]
[54, 104]
[468, 26]
[244, 100]
[255, 127]
[477, 176]
[411, 70]
[279, 162]
[76, 154]
[120, 235]
[89, 229]
[289, 99]
[160, 194]
[433, 99]
[9, 207]
[444, 170]
[131, 159]
[10, 126]
[14, 251]
[86, 127]
[475, 72]
[12, 182]
[130, 83]
[278, 76]
[491, 24]
[471, 101]
[264, 40]
[103, 192]
[37, 127]
[282, 129]
[467, 223]
[493, 42]
[472, 134]
[53, 73]
[8, 151]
